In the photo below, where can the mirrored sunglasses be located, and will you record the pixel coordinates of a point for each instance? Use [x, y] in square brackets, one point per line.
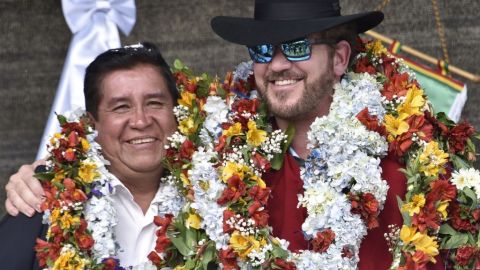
[296, 50]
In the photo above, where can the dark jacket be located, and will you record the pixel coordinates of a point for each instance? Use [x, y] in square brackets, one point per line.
[18, 235]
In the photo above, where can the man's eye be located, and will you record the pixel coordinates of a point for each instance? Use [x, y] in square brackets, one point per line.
[121, 108]
[156, 104]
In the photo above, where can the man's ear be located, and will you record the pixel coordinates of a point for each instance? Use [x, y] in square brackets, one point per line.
[341, 58]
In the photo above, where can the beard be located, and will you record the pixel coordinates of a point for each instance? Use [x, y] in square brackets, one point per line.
[311, 97]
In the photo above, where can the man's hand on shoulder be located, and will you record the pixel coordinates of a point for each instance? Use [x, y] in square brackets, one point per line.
[24, 191]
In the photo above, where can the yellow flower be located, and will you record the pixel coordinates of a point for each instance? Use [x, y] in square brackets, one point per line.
[432, 159]
[88, 172]
[59, 176]
[243, 245]
[395, 126]
[421, 241]
[413, 103]
[179, 267]
[85, 144]
[54, 215]
[413, 207]
[255, 137]
[259, 181]
[54, 138]
[187, 126]
[442, 209]
[67, 221]
[184, 179]
[376, 47]
[235, 129]
[69, 260]
[186, 99]
[193, 221]
[232, 168]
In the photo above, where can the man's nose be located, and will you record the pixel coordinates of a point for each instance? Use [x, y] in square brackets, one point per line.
[279, 61]
[140, 118]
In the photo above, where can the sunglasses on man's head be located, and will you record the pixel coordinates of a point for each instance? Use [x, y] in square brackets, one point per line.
[296, 50]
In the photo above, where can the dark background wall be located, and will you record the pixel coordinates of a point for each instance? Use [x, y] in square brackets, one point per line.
[34, 39]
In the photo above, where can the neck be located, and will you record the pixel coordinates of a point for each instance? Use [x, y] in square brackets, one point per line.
[302, 126]
[143, 186]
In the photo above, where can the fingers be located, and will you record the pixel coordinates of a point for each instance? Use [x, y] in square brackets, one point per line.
[24, 192]
[10, 208]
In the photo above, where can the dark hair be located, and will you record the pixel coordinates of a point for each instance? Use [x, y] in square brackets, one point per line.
[121, 59]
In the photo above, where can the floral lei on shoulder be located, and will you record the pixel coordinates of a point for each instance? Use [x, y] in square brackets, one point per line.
[225, 142]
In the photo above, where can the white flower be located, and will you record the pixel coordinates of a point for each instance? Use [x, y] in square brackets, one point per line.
[467, 178]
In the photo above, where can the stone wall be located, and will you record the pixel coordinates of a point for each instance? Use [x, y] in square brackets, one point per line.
[34, 39]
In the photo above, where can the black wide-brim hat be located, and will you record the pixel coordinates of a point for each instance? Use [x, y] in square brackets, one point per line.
[277, 21]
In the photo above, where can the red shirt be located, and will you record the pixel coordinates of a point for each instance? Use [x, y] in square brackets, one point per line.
[286, 219]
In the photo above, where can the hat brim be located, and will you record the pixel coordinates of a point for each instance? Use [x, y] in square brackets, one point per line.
[248, 31]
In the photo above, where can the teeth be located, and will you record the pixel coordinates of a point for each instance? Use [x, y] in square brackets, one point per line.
[144, 140]
[285, 82]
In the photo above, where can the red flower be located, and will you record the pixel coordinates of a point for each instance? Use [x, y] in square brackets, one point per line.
[187, 149]
[261, 218]
[70, 155]
[84, 241]
[246, 106]
[180, 78]
[365, 205]
[364, 65]
[236, 188]
[417, 261]
[228, 258]
[427, 218]
[73, 139]
[260, 162]
[110, 264]
[371, 122]
[441, 190]
[46, 251]
[465, 254]
[259, 194]
[162, 243]
[458, 136]
[389, 66]
[163, 223]
[396, 86]
[420, 126]
[222, 141]
[460, 218]
[154, 258]
[282, 264]
[228, 214]
[323, 240]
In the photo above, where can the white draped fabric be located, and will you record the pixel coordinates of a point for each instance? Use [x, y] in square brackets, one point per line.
[94, 24]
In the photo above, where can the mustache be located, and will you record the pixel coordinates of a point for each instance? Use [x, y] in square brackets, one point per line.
[284, 74]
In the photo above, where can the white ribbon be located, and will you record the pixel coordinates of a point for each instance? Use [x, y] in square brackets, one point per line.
[94, 26]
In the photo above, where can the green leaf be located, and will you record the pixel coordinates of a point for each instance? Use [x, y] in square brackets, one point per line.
[406, 218]
[178, 64]
[458, 162]
[470, 195]
[447, 229]
[277, 160]
[190, 264]
[45, 176]
[208, 255]
[279, 252]
[61, 119]
[456, 241]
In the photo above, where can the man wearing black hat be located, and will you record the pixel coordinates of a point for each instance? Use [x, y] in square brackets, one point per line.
[300, 49]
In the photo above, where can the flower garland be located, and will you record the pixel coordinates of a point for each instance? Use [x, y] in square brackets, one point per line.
[440, 210]
[78, 207]
[215, 161]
